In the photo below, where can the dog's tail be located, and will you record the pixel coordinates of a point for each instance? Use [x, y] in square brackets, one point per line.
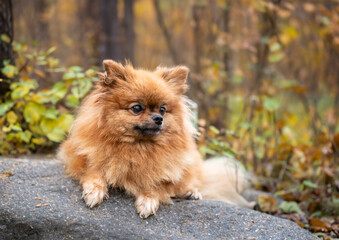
[224, 180]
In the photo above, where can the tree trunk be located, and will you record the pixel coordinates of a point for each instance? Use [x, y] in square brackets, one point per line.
[268, 29]
[6, 51]
[221, 95]
[227, 50]
[197, 91]
[41, 31]
[111, 44]
[167, 35]
[129, 29]
[196, 13]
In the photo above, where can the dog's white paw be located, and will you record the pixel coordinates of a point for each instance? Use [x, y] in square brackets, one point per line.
[194, 195]
[146, 206]
[94, 193]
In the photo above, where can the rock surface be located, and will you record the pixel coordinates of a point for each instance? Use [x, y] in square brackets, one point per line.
[38, 202]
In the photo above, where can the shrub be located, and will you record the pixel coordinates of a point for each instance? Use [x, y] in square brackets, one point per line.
[32, 118]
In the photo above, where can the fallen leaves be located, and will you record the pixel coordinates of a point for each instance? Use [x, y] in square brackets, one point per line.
[267, 204]
[6, 174]
[319, 226]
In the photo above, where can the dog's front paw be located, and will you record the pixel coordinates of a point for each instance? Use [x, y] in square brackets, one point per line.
[146, 206]
[193, 195]
[94, 193]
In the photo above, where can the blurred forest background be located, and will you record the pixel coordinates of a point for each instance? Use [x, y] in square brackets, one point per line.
[265, 75]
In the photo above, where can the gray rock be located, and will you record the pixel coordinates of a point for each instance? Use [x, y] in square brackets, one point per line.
[38, 202]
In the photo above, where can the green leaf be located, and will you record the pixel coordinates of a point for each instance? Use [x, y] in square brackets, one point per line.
[76, 92]
[69, 76]
[237, 79]
[31, 84]
[48, 125]
[290, 207]
[40, 97]
[10, 71]
[54, 99]
[72, 101]
[82, 89]
[80, 75]
[4, 107]
[49, 51]
[52, 113]
[276, 57]
[59, 89]
[56, 135]
[19, 92]
[85, 87]
[309, 184]
[75, 69]
[17, 127]
[65, 121]
[11, 117]
[206, 150]
[90, 73]
[36, 129]
[33, 112]
[214, 130]
[275, 47]
[325, 20]
[52, 130]
[11, 136]
[271, 104]
[25, 136]
[5, 38]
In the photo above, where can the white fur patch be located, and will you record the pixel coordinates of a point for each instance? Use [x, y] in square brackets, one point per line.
[92, 194]
[195, 195]
[146, 206]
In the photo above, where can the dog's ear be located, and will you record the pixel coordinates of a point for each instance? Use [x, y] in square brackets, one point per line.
[114, 71]
[175, 76]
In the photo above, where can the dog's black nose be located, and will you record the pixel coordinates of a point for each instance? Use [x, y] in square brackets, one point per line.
[157, 119]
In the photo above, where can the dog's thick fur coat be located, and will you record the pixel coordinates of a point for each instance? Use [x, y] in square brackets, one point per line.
[112, 144]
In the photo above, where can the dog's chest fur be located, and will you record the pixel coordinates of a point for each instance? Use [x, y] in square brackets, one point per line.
[145, 166]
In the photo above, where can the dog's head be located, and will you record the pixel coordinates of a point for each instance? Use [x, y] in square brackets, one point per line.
[141, 105]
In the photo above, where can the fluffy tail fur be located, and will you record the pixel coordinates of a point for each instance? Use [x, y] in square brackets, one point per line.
[224, 180]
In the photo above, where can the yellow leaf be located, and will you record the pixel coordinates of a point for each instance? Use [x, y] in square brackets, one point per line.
[65, 121]
[12, 117]
[288, 34]
[39, 141]
[267, 204]
[33, 112]
[5, 38]
[19, 92]
[36, 129]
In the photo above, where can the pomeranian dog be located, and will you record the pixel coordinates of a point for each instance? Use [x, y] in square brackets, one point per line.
[134, 132]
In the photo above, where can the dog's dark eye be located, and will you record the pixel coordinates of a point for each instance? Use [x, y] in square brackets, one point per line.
[137, 109]
[162, 110]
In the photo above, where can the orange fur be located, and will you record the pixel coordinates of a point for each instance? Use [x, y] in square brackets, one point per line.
[105, 148]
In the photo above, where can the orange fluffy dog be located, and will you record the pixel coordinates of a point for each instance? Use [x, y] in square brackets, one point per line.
[134, 132]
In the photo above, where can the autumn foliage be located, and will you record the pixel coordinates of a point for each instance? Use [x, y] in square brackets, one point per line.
[264, 74]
